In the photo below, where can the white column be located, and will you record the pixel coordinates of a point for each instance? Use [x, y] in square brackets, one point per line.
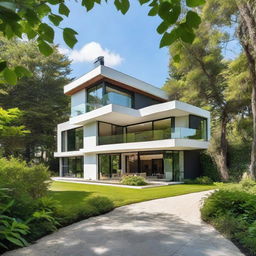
[90, 160]
[90, 167]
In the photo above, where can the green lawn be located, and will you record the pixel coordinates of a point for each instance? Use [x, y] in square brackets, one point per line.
[70, 194]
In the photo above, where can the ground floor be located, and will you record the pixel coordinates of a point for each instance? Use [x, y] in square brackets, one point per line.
[169, 165]
[167, 226]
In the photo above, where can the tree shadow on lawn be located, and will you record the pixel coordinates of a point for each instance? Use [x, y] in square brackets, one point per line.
[127, 233]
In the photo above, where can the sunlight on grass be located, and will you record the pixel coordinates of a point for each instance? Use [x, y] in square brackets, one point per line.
[70, 194]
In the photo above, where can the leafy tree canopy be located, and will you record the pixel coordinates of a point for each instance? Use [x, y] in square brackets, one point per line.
[36, 20]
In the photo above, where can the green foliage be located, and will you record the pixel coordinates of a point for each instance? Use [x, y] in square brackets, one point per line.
[204, 180]
[24, 181]
[12, 231]
[40, 99]
[133, 180]
[239, 159]
[232, 211]
[209, 167]
[90, 207]
[27, 18]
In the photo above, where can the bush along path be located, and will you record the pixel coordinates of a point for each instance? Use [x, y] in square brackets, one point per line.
[232, 211]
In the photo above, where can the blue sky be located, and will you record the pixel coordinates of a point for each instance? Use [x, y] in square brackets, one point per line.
[132, 37]
[129, 42]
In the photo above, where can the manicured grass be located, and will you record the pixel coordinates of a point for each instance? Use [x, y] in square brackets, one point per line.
[74, 194]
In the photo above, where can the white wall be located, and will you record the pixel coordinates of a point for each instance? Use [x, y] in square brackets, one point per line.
[90, 166]
[78, 101]
[90, 135]
[90, 159]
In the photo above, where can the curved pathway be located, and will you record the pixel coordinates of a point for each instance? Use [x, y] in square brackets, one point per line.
[163, 227]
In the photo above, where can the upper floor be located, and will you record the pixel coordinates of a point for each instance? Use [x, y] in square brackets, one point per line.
[109, 107]
[104, 85]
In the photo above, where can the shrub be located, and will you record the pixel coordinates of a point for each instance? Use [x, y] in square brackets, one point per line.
[232, 211]
[133, 180]
[204, 180]
[30, 181]
[209, 167]
[246, 182]
[12, 231]
[92, 207]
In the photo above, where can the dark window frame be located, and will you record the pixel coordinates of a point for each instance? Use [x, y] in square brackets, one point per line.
[104, 85]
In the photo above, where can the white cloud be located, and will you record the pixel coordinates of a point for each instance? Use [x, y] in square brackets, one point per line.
[89, 52]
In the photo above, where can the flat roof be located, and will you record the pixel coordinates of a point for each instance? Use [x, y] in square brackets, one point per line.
[120, 79]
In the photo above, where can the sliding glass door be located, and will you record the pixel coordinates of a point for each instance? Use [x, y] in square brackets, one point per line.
[109, 166]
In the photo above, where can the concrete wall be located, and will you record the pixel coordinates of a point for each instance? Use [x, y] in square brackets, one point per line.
[192, 166]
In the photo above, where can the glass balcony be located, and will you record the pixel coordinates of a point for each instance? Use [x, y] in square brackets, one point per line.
[78, 110]
[175, 133]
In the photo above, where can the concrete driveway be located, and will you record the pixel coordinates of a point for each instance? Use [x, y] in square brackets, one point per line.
[162, 227]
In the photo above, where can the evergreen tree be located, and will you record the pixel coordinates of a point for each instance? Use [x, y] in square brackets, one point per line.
[40, 97]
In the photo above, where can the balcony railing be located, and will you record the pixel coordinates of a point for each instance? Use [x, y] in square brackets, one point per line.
[175, 133]
[83, 108]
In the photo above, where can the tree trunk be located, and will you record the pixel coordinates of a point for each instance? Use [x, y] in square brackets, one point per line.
[246, 12]
[222, 157]
[247, 36]
[252, 67]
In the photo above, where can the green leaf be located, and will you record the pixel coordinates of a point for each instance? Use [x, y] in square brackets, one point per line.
[122, 5]
[15, 241]
[186, 34]
[10, 76]
[153, 11]
[46, 32]
[169, 38]
[63, 9]
[3, 65]
[32, 17]
[21, 71]
[55, 19]
[69, 37]
[89, 4]
[143, 1]
[194, 3]
[162, 27]
[45, 48]
[164, 10]
[193, 19]
[43, 9]
[8, 5]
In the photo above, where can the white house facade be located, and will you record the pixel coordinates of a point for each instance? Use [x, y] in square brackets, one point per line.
[120, 125]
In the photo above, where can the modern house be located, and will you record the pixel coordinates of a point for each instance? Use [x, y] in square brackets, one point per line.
[120, 125]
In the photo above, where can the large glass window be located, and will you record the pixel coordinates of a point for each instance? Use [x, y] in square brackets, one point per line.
[139, 132]
[95, 97]
[200, 125]
[72, 167]
[104, 94]
[110, 133]
[72, 140]
[109, 166]
[162, 129]
[118, 97]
